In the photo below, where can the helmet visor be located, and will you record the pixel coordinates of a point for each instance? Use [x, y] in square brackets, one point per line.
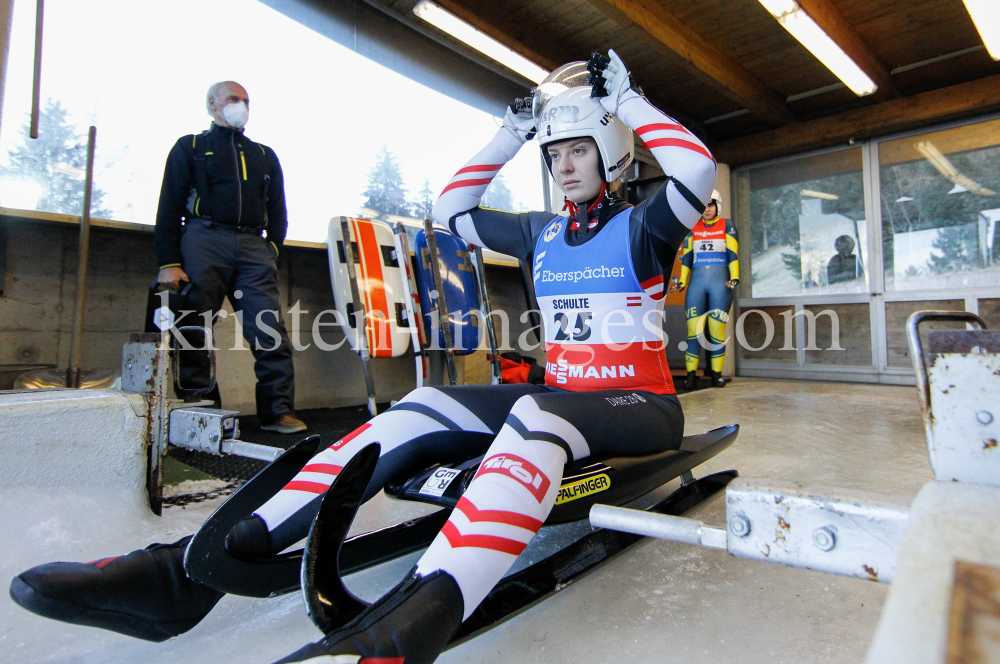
[570, 75]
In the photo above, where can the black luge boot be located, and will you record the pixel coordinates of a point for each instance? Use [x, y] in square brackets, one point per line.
[144, 594]
[691, 381]
[717, 380]
[249, 539]
[410, 625]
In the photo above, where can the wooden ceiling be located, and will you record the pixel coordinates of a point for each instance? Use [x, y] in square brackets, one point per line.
[729, 71]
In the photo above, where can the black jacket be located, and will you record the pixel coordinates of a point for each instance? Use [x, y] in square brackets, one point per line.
[245, 189]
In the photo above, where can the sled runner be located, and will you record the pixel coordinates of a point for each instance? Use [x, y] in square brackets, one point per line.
[207, 561]
[615, 481]
[330, 605]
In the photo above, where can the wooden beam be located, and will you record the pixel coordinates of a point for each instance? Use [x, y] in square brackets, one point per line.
[473, 11]
[834, 24]
[511, 34]
[731, 78]
[951, 103]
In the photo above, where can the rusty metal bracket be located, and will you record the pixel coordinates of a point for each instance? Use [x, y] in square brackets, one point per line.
[917, 349]
[145, 365]
[818, 528]
[215, 431]
[958, 387]
[203, 429]
[827, 529]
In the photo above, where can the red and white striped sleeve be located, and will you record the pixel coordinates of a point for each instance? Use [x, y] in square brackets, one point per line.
[466, 188]
[685, 160]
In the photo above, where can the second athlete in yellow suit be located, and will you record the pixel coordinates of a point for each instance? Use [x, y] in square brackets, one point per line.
[710, 271]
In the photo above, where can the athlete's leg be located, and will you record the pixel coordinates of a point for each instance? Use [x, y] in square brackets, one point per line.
[695, 309]
[720, 300]
[503, 508]
[518, 481]
[146, 593]
[429, 424]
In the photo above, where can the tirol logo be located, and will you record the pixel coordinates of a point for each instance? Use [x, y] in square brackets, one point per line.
[586, 487]
[553, 231]
[521, 470]
[349, 437]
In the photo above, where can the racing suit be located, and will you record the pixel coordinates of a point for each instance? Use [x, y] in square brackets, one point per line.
[608, 389]
[708, 261]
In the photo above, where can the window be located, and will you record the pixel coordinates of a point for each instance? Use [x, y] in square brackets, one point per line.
[140, 75]
[940, 208]
[808, 226]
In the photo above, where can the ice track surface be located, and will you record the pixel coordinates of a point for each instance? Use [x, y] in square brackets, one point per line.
[658, 601]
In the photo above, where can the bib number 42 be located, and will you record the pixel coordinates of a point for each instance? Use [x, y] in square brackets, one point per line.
[581, 331]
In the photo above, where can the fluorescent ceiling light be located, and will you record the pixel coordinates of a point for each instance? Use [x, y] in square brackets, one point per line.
[986, 15]
[794, 19]
[459, 29]
[819, 194]
[947, 169]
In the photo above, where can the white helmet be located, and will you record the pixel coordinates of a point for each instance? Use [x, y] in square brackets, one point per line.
[563, 110]
[717, 199]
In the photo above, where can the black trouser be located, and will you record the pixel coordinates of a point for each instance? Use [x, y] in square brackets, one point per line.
[224, 262]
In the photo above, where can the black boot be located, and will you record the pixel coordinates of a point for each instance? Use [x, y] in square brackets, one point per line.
[144, 594]
[691, 381]
[249, 539]
[717, 380]
[411, 625]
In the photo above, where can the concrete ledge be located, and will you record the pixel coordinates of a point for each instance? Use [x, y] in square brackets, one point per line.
[949, 521]
[79, 439]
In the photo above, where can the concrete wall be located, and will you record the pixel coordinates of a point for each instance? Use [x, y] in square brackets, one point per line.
[38, 262]
[39, 286]
[41, 443]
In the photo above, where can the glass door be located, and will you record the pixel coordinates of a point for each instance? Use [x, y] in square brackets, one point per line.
[845, 244]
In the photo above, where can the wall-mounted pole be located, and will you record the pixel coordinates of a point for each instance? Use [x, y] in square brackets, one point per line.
[76, 347]
[487, 309]
[6, 18]
[36, 86]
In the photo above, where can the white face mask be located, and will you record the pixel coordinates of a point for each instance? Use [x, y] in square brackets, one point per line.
[236, 114]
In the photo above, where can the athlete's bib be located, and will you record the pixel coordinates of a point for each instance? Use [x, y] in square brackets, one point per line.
[709, 243]
[603, 329]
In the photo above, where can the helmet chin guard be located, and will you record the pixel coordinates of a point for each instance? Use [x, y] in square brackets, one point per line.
[563, 110]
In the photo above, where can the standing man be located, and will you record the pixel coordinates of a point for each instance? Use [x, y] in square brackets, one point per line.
[710, 270]
[220, 225]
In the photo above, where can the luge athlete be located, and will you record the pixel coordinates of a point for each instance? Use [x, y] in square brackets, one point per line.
[599, 282]
[710, 270]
